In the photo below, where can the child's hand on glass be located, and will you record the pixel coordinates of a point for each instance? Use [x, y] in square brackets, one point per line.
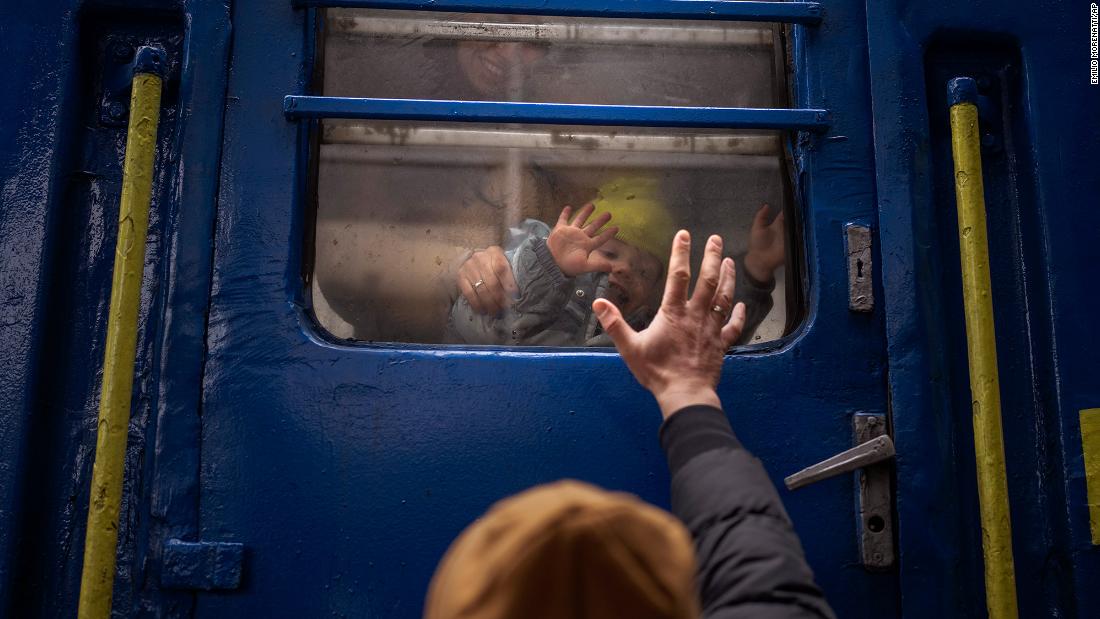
[574, 243]
[767, 250]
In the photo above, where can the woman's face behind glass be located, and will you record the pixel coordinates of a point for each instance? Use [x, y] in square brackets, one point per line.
[492, 67]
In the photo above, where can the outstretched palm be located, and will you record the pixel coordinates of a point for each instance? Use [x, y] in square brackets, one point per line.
[573, 243]
[679, 356]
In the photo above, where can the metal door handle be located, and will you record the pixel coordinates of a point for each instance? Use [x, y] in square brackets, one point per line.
[875, 529]
[865, 454]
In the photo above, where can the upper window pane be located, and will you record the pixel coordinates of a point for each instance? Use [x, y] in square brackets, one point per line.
[428, 55]
[409, 215]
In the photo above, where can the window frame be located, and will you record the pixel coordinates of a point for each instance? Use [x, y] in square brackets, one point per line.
[797, 280]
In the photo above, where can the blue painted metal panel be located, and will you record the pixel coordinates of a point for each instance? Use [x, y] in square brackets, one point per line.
[1043, 223]
[61, 177]
[724, 10]
[38, 110]
[65, 390]
[201, 565]
[172, 465]
[299, 106]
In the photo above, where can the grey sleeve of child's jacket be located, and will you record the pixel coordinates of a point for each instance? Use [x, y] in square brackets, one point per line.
[757, 297]
[543, 288]
[543, 292]
[465, 326]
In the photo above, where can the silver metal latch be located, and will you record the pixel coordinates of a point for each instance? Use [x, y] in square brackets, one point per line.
[861, 296]
[876, 498]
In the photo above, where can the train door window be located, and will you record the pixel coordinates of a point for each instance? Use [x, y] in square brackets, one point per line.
[405, 210]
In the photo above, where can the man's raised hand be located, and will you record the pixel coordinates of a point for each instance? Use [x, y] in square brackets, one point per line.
[679, 356]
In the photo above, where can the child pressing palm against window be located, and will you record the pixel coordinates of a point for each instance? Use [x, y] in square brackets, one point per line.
[560, 271]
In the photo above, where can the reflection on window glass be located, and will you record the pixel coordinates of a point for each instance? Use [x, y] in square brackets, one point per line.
[419, 55]
[478, 234]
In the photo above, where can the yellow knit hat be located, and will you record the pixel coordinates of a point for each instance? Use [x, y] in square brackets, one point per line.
[638, 210]
[568, 549]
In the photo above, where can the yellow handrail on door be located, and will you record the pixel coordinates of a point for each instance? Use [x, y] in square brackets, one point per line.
[989, 449]
[97, 579]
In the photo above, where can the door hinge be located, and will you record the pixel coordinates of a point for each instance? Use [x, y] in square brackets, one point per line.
[201, 565]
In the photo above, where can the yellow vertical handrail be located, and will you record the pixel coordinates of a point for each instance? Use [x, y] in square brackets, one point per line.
[97, 579]
[981, 344]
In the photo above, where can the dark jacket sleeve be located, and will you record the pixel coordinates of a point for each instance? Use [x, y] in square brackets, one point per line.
[750, 560]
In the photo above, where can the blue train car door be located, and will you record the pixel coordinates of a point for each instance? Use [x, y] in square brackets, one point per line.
[345, 444]
[328, 387]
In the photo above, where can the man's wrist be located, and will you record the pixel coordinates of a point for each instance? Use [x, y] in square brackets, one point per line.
[675, 399]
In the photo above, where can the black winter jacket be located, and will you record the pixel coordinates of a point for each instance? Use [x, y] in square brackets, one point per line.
[750, 561]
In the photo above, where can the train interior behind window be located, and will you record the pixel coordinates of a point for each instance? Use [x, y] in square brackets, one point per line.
[401, 206]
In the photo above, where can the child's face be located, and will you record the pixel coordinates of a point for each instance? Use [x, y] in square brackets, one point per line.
[635, 277]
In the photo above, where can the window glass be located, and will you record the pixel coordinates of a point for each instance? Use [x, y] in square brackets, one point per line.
[424, 55]
[414, 220]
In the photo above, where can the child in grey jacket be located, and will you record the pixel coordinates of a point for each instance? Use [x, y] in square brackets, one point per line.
[560, 271]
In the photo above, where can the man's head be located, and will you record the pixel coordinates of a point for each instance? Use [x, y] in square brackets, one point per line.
[645, 237]
[568, 550]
